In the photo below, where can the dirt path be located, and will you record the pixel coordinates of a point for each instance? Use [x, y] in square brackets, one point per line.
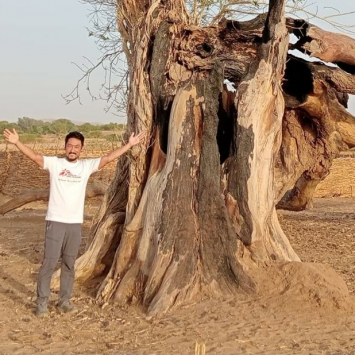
[236, 326]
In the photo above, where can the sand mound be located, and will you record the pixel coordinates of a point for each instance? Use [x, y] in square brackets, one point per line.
[298, 285]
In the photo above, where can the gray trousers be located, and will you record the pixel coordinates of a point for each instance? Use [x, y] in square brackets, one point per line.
[61, 240]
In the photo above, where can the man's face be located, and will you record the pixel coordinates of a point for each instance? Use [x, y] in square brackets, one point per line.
[73, 149]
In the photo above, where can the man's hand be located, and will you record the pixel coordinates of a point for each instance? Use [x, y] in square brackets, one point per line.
[136, 139]
[133, 140]
[11, 137]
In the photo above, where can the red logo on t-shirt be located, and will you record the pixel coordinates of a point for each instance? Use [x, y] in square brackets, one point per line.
[67, 173]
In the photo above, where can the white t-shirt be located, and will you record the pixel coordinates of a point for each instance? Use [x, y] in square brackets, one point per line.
[67, 188]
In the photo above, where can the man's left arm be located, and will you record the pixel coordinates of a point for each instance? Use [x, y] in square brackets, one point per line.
[115, 154]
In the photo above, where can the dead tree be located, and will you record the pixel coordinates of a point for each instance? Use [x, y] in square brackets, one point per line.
[192, 212]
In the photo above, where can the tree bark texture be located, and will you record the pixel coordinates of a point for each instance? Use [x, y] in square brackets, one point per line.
[192, 212]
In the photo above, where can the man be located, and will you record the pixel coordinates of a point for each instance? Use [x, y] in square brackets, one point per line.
[68, 180]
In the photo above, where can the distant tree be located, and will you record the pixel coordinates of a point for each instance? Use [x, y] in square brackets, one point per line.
[27, 125]
[87, 127]
[38, 129]
[46, 129]
[62, 126]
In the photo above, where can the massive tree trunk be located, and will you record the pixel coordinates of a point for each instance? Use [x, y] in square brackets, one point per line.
[192, 211]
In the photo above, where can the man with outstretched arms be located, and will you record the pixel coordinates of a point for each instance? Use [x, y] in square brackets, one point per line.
[68, 180]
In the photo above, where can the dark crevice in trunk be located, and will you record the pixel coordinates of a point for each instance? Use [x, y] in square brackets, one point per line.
[162, 99]
[310, 127]
[298, 80]
[343, 98]
[224, 132]
[148, 63]
[346, 67]
[162, 120]
[109, 257]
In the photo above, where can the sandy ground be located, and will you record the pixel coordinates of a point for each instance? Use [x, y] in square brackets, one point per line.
[242, 325]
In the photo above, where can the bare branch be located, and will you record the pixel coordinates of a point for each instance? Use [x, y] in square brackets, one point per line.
[114, 24]
[92, 190]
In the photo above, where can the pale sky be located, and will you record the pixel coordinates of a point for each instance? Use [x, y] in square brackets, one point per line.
[40, 40]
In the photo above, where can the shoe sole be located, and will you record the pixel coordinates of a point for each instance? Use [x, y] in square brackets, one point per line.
[42, 315]
[63, 311]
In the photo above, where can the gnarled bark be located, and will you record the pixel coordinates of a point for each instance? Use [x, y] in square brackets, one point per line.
[316, 128]
[167, 251]
[328, 46]
[250, 176]
[194, 210]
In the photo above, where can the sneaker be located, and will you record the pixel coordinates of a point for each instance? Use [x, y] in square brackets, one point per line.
[66, 307]
[42, 310]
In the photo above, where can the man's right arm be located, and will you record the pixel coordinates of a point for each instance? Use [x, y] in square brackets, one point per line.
[12, 137]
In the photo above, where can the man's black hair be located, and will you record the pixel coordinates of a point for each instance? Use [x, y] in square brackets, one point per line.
[76, 135]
